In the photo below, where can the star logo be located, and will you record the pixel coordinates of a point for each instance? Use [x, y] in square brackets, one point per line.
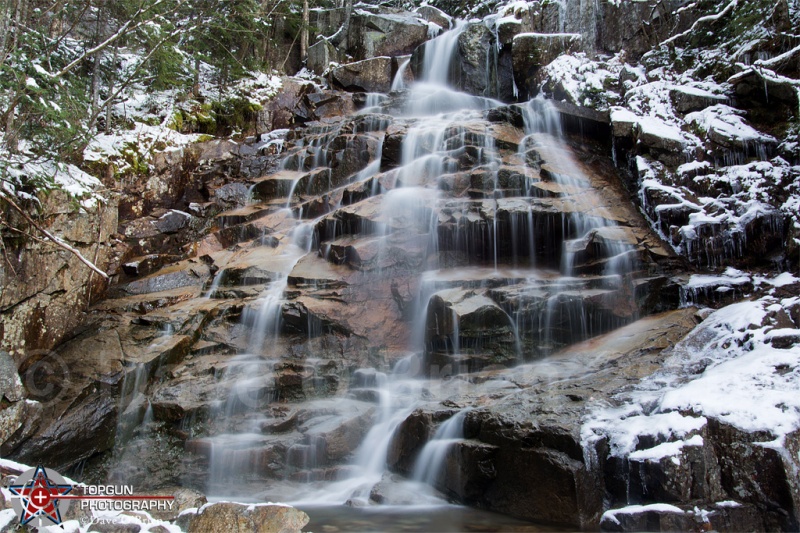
[39, 492]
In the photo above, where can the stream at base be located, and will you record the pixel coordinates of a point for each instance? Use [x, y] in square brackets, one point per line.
[428, 519]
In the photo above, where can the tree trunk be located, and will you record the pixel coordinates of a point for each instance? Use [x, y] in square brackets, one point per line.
[304, 35]
[98, 56]
[5, 28]
[111, 81]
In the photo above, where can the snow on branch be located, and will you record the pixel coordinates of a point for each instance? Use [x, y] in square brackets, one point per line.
[781, 60]
[702, 20]
[765, 74]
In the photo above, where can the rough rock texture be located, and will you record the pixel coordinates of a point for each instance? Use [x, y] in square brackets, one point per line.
[320, 55]
[607, 26]
[45, 288]
[260, 518]
[374, 35]
[371, 75]
[531, 51]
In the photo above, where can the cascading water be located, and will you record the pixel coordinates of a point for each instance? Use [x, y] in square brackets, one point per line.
[499, 280]
[433, 454]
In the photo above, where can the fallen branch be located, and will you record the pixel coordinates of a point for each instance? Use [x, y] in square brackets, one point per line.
[765, 74]
[52, 237]
[780, 61]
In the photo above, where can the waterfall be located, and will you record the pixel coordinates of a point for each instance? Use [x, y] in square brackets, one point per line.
[398, 395]
[493, 280]
[438, 55]
[399, 83]
[429, 464]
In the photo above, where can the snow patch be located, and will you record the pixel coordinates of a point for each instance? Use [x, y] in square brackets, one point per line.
[611, 515]
[724, 369]
[667, 449]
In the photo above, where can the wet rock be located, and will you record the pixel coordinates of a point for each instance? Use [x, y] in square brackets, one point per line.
[475, 48]
[261, 518]
[467, 329]
[85, 431]
[340, 436]
[371, 75]
[412, 434]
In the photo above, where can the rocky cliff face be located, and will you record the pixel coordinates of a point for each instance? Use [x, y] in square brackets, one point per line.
[482, 268]
[46, 294]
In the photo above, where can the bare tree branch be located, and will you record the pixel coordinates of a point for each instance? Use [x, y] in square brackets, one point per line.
[121, 32]
[52, 237]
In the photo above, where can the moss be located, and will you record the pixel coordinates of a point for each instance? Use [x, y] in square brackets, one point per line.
[137, 163]
[217, 118]
[235, 115]
[176, 123]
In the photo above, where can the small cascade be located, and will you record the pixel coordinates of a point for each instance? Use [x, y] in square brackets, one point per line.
[246, 384]
[431, 461]
[268, 319]
[399, 81]
[245, 388]
[215, 283]
[132, 403]
[136, 418]
[398, 395]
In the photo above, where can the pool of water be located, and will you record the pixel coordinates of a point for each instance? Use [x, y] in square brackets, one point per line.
[427, 519]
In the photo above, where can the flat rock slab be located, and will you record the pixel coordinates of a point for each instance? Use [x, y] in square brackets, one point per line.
[531, 417]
